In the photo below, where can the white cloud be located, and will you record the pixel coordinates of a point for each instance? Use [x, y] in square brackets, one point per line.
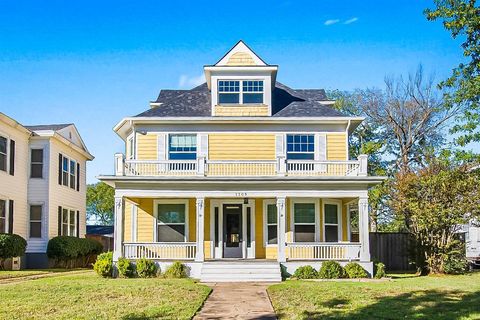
[352, 20]
[331, 21]
[188, 82]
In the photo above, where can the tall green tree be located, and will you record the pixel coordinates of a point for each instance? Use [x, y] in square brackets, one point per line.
[100, 203]
[462, 19]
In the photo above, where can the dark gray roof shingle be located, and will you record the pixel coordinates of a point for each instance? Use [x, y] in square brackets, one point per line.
[286, 102]
[53, 127]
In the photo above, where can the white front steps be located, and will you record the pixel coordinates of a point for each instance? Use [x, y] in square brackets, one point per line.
[240, 271]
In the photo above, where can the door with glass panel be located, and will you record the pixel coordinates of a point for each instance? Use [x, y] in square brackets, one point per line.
[232, 231]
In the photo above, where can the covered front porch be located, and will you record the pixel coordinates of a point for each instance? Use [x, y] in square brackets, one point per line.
[244, 226]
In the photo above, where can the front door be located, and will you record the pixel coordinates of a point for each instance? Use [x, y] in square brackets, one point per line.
[232, 231]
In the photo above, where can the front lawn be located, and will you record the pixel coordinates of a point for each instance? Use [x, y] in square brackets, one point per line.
[9, 274]
[445, 297]
[87, 296]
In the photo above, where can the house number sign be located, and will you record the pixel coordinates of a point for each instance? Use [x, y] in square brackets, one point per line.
[241, 194]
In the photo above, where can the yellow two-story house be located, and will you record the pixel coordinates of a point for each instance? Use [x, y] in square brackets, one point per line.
[239, 175]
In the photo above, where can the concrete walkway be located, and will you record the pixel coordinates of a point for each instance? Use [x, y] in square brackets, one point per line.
[237, 301]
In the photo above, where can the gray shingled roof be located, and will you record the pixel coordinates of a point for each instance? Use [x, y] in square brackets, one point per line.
[53, 127]
[286, 102]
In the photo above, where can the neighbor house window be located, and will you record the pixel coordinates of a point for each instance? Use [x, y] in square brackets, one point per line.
[36, 163]
[331, 222]
[3, 216]
[240, 92]
[35, 221]
[3, 153]
[300, 146]
[272, 224]
[182, 147]
[65, 172]
[68, 222]
[73, 174]
[252, 91]
[171, 222]
[304, 222]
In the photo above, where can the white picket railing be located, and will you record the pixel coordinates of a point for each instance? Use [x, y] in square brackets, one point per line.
[322, 168]
[160, 250]
[323, 251]
[241, 168]
[160, 168]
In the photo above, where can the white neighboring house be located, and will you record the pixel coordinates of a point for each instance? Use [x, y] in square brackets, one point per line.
[42, 184]
[472, 243]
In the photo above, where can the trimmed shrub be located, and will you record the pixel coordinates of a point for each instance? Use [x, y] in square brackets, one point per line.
[146, 268]
[331, 270]
[104, 265]
[68, 250]
[11, 245]
[380, 270]
[285, 274]
[176, 270]
[305, 272]
[353, 270]
[126, 269]
[455, 264]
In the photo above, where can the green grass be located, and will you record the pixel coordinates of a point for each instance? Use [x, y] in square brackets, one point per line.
[8, 274]
[87, 296]
[408, 297]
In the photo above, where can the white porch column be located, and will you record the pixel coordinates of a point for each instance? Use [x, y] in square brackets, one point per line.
[118, 231]
[363, 229]
[119, 164]
[281, 212]
[200, 209]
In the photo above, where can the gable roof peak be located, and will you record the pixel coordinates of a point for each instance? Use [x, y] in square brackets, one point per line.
[240, 55]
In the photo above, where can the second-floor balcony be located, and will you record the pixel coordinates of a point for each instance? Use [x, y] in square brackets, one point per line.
[240, 168]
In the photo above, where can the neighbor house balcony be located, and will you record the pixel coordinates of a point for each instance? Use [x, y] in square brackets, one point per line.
[240, 168]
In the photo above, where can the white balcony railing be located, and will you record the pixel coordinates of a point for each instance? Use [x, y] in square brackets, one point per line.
[322, 168]
[323, 251]
[226, 168]
[160, 250]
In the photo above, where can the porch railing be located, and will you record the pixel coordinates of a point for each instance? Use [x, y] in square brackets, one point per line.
[160, 250]
[240, 168]
[226, 168]
[323, 251]
[160, 168]
[322, 168]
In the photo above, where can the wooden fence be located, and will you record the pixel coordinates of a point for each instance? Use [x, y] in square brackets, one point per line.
[394, 249]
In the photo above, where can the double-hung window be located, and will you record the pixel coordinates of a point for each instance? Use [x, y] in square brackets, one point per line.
[331, 222]
[3, 216]
[65, 172]
[3, 153]
[272, 222]
[240, 91]
[171, 222]
[304, 222]
[68, 222]
[182, 147]
[36, 163]
[35, 221]
[300, 146]
[73, 174]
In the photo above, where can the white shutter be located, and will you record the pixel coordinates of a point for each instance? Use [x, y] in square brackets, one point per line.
[279, 145]
[162, 146]
[202, 145]
[321, 147]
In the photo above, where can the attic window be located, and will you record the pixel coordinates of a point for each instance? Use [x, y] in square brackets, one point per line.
[240, 92]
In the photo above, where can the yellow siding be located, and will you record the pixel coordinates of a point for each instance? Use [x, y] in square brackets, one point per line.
[241, 146]
[271, 252]
[344, 221]
[192, 220]
[288, 225]
[336, 146]
[207, 243]
[241, 111]
[147, 147]
[145, 221]
[127, 222]
[259, 241]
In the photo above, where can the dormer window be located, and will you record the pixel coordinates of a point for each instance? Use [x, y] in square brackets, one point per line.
[240, 91]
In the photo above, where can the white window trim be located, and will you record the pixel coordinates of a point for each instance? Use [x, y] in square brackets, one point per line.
[69, 222]
[338, 203]
[42, 220]
[68, 172]
[7, 210]
[180, 152]
[43, 163]
[172, 201]
[131, 147]
[266, 203]
[317, 215]
[240, 93]
[74, 174]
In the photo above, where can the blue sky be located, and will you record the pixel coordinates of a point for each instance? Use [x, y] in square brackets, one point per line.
[94, 62]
